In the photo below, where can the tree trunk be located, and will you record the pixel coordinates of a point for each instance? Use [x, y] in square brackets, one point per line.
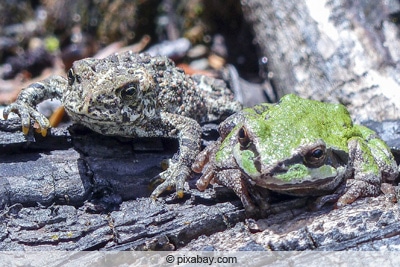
[338, 51]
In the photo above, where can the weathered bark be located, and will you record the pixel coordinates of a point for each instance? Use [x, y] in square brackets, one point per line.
[86, 191]
[97, 198]
[368, 224]
[332, 50]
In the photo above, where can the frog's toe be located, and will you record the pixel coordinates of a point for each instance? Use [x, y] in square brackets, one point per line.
[176, 176]
[390, 192]
[355, 190]
[205, 179]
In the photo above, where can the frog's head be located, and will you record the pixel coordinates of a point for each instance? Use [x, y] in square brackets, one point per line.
[116, 90]
[295, 147]
[310, 168]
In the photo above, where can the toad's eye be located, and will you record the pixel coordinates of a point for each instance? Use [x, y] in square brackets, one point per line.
[72, 77]
[316, 156]
[128, 91]
[243, 138]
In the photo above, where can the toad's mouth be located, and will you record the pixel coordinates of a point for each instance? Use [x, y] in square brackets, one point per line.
[82, 116]
[98, 117]
[113, 125]
[111, 113]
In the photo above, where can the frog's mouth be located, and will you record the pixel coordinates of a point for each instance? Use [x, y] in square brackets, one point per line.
[301, 180]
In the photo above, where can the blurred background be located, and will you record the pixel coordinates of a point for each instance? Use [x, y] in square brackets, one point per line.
[41, 38]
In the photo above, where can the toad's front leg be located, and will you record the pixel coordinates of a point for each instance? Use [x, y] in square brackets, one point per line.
[188, 132]
[25, 105]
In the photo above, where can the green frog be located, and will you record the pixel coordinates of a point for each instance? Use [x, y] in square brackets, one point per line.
[296, 147]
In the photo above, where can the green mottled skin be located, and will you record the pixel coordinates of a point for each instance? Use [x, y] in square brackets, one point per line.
[295, 121]
[298, 147]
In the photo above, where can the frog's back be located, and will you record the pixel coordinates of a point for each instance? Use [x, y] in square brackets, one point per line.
[293, 122]
[310, 119]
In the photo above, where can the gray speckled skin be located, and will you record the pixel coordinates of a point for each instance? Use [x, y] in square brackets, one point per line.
[135, 95]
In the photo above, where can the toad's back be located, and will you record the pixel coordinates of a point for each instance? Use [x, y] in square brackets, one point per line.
[132, 89]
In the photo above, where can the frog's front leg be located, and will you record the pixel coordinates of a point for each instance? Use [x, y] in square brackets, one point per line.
[255, 203]
[366, 171]
[25, 105]
[204, 164]
[188, 132]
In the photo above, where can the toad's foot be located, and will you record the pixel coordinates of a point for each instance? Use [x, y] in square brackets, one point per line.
[26, 112]
[175, 175]
[189, 138]
[29, 97]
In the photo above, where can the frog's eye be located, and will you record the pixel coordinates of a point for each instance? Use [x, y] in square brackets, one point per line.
[243, 138]
[128, 91]
[317, 153]
[316, 156]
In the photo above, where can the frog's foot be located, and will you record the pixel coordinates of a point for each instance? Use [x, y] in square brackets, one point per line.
[175, 175]
[390, 192]
[322, 200]
[254, 202]
[204, 164]
[258, 205]
[26, 112]
[206, 178]
[356, 189]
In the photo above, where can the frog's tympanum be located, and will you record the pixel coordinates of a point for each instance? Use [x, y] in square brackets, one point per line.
[134, 95]
[297, 147]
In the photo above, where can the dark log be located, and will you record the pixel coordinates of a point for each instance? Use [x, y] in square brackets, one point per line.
[90, 192]
[85, 191]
